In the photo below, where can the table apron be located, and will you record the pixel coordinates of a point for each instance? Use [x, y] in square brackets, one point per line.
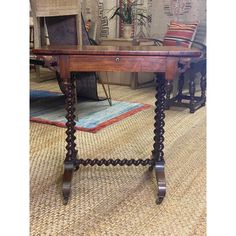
[117, 63]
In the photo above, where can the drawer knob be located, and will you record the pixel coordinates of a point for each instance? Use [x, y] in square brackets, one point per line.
[117, 59]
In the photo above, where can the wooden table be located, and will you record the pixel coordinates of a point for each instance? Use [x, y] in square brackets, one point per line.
[161, 60]
[132, 79]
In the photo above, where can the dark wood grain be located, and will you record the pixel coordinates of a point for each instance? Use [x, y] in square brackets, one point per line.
[117, 63]
[135, 51]
[163, 60]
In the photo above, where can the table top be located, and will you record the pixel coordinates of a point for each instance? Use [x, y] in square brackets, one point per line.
[167, 51]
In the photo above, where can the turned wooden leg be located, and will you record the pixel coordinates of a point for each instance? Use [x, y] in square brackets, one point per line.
[180, 87]
[192, 92]
[203, 84]
[168, 88]
[70, 160]
[158, 146]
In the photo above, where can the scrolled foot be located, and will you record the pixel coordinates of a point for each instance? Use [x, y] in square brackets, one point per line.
[66, 182]
[161, 182]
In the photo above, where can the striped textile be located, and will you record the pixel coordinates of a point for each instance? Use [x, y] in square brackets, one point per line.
[178, 31]
[49, 108]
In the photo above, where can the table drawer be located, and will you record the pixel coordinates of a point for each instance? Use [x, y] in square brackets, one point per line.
[117, 63]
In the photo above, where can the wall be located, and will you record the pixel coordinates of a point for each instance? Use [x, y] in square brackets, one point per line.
[180, 10]
[99, 11]
[159, 13]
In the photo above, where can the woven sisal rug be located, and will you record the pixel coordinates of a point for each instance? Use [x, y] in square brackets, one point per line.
[107, 201]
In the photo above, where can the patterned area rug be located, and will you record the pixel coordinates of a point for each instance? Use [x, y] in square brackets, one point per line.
[49, 108]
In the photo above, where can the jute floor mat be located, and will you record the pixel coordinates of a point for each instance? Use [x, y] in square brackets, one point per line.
[121, 200]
